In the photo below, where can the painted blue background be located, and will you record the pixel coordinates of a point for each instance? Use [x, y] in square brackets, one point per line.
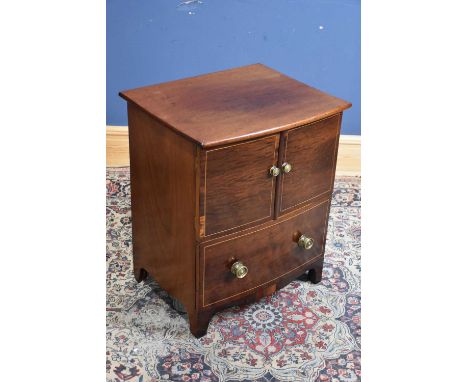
[315, 41]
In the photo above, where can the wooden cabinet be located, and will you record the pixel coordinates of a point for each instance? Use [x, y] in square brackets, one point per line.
[231, 179]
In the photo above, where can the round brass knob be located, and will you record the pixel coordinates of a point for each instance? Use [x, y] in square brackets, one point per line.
[274, 171]
[286, 167]
[239, 270]
[305, 242]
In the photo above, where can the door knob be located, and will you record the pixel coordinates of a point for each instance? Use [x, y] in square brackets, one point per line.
[274, 171]
[286, 167]
[239, 270]
[305, 242]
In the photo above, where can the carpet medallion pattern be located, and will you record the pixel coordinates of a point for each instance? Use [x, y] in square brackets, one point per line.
[303, 332]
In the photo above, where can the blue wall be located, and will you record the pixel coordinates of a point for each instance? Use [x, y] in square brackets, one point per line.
[314, 41]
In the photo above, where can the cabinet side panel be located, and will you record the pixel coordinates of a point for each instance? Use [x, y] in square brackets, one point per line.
[163, 190]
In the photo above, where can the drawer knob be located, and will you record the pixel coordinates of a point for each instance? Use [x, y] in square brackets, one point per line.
[274, 171]
[239, 270]
[305, 242]
[286, 167]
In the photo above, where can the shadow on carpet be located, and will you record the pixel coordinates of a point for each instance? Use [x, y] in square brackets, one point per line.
[303, 332]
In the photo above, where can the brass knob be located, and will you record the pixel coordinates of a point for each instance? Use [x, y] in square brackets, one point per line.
[274, 171]
[286, 167]
[305, 242]
[239, 270]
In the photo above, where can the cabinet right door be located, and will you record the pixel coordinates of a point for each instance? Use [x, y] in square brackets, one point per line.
[311, 152]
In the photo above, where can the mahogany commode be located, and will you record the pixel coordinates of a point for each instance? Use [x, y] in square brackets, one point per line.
[231, 181]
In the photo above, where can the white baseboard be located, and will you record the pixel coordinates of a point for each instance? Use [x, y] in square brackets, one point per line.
[349, 151]
[349, 155]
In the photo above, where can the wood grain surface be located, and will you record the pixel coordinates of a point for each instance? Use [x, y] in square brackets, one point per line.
[269, 253]
[238, 189]
[163, 196]
[311, 150]
[234, 105]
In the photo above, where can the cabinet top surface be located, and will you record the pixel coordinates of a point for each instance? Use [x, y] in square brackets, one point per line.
[234, 105]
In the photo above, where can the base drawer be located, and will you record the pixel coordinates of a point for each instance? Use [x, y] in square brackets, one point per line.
[268, 253]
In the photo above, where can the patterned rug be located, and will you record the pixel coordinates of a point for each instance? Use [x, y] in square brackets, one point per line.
[303, 332]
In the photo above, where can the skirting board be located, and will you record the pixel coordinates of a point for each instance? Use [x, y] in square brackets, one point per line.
[349, 151]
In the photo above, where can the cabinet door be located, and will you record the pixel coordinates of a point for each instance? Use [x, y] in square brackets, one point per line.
[237, 189]
[311, 151]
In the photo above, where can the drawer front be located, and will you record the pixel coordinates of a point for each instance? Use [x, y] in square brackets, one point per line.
[269, 253]
[311, 151]
[237, 189]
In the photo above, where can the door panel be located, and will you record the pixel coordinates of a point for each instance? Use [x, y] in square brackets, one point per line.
[311, 151]
[237, 189]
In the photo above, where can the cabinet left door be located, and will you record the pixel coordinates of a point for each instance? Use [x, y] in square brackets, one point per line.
[237, 189]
